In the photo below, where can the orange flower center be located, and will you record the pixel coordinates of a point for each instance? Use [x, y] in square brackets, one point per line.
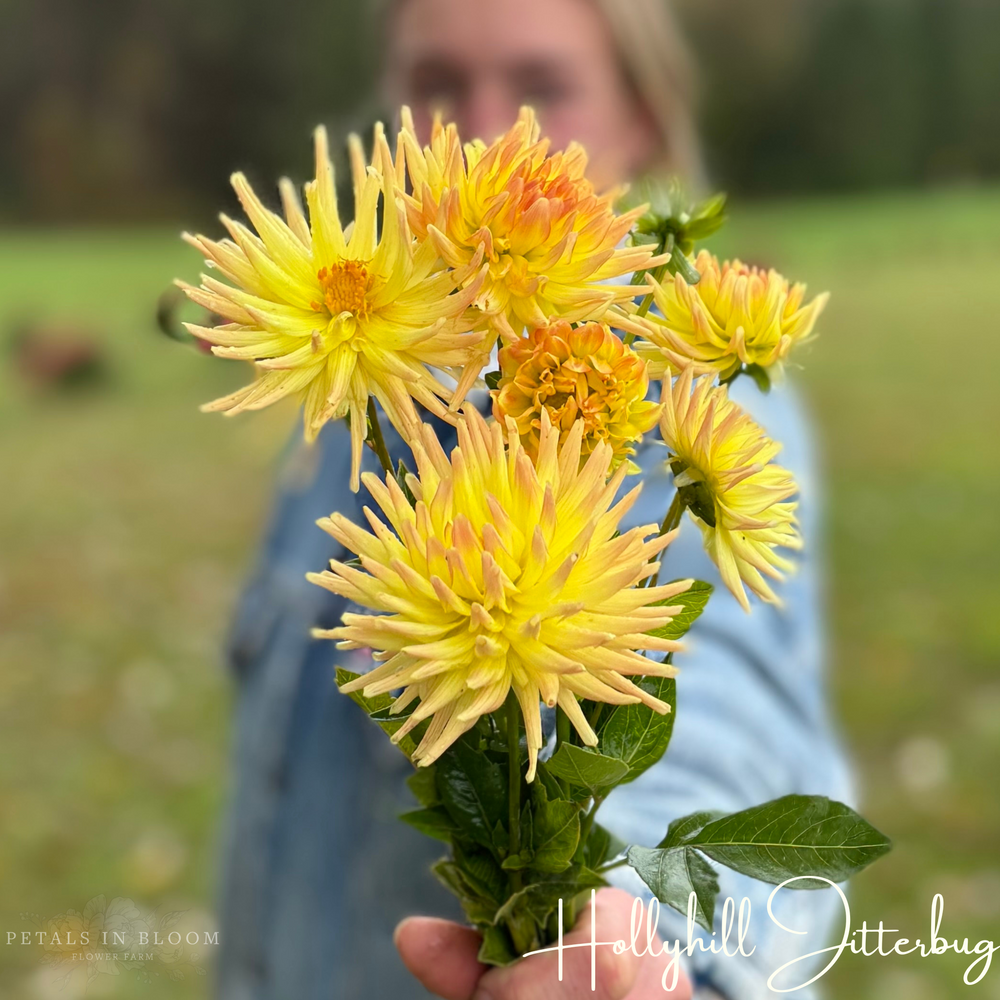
[345, 288]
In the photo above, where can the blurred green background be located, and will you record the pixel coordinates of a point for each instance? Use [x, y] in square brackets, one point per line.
[128, 519]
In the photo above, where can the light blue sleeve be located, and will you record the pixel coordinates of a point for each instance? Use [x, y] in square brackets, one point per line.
[752, 714]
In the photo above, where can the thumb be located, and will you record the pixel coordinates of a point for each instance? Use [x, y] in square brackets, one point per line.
[537, 977]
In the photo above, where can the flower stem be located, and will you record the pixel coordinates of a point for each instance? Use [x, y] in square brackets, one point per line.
[513, 721]
[375, 441]
[670, 521]
[659, 273]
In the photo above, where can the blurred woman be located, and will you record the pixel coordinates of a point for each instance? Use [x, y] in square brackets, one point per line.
[319, 871]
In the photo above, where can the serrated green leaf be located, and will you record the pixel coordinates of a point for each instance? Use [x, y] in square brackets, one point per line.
[496, 948]
[692, 603]
[635, 734]
[423, 784]
[478, 909]
[473, 789]
[602, 845]
[585, 768]
[683, 829]
[555, 836]
[481, 871]
[378, 709]
[540, 898]
[791, 836]
[673, 874]
[434, 822]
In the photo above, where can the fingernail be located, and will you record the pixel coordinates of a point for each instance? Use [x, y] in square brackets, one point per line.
[399, 927]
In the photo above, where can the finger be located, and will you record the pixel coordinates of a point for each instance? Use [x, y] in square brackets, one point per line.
[537, 977]
[441, 955]
[654, 981]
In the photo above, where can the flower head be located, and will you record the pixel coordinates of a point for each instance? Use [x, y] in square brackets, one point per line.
[584, 373]
[735, 315]
[722, 465]
[334, 315]
[508, 573]
[551, 242]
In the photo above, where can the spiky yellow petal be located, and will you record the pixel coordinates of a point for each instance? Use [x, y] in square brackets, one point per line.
[509, 573]
[334, 316]
[740, 497]
[551, 242]
[735, 315]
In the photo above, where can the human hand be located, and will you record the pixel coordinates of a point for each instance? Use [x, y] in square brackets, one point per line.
[442, 955]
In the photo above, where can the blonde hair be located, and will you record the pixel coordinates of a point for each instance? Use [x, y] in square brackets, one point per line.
[655, 59]
[657, 65]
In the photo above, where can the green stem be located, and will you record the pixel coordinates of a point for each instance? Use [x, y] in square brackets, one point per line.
[563, 732]
[514, 784]
[670, 521]
[612, 866]
[375, 441]
[586, 825]
[659, 273]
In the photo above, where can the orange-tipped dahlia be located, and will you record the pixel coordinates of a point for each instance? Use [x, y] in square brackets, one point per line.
[334, 315]
[550, 240]
[584, 373]
[735, 315]
[508, 573]
[722, 461]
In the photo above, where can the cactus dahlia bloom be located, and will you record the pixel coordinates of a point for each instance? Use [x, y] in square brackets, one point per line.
[736, 315]
[571, 373]
[334, 315]
[722, 466]
[508, 573]
[550, 241]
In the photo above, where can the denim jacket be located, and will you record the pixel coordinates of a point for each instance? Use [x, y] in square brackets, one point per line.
[317, 869]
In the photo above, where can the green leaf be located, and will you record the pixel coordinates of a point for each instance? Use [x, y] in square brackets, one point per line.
[793, 835]
[679, 264]
[692, 603]
[492, 379]
[685, 828]
[555, 835]
[602, 845]
[480, 871]
[473, 789]
[673, 874]
[479, 909]
[423, 784]
[585, 768]
[760, 375]
[635, 734]
[434, 822]
[378, 709]
[541, 898]
[496, 948]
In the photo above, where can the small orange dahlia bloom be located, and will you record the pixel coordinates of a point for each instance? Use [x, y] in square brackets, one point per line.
[551, 242]
[584, 373]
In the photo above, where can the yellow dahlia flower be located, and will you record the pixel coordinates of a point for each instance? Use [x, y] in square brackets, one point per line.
[722, 466]
[334, 315]
[584, 373]
[551, 242]
[508, 573]
[735, 315]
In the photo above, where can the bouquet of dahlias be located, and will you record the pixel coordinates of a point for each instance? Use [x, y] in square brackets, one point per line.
[502, 594]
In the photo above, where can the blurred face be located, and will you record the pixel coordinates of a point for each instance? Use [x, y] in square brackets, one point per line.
[478, 61]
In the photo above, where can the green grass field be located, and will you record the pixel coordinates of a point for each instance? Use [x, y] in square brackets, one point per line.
[127, 520]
